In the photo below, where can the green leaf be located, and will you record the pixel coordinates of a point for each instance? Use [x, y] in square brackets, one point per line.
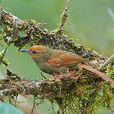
[8, 109]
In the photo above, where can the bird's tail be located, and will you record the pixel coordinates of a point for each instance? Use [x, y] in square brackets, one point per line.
[100, 74]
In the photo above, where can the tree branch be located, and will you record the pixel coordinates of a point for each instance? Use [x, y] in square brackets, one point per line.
[71, 94]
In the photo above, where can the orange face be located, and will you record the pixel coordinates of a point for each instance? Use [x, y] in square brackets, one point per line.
[36, 50]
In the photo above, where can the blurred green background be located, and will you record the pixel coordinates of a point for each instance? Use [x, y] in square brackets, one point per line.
[89, 21]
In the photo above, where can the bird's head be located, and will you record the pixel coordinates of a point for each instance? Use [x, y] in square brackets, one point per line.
[36, 51]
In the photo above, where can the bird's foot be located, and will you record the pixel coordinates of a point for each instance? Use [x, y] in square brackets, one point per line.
[68, 74]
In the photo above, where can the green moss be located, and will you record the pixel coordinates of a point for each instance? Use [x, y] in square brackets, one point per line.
[72, 96]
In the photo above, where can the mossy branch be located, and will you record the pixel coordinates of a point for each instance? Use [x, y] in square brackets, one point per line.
[72, 95]
[35, 33]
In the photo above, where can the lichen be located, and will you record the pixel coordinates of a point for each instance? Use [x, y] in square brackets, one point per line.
[84, 94]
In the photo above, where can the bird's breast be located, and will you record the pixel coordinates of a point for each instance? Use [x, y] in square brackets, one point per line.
[45, 67]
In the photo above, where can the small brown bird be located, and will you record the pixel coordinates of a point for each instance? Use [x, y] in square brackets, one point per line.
[54, 61]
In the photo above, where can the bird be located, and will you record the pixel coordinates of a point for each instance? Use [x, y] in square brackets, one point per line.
[54, 61]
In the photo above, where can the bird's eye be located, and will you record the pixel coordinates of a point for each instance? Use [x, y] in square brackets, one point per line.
[34, 52]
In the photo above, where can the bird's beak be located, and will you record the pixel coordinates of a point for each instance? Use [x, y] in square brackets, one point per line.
[24, 50]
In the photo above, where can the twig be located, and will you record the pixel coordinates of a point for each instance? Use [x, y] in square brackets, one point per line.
[2, 55]
[34, 104]
[15, 101]
[64, 16]
[109, 60]
[67, 90]
[36, 34]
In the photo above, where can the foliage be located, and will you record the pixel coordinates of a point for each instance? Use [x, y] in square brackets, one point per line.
[8, 109]
[83, 95]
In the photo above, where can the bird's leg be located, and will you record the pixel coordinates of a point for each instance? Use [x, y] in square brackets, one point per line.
[71, 74]
[74, 78]
[57, 77]
[108, 61]
[68, 73]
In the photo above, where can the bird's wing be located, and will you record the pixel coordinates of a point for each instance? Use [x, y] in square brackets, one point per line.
[65, 60]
